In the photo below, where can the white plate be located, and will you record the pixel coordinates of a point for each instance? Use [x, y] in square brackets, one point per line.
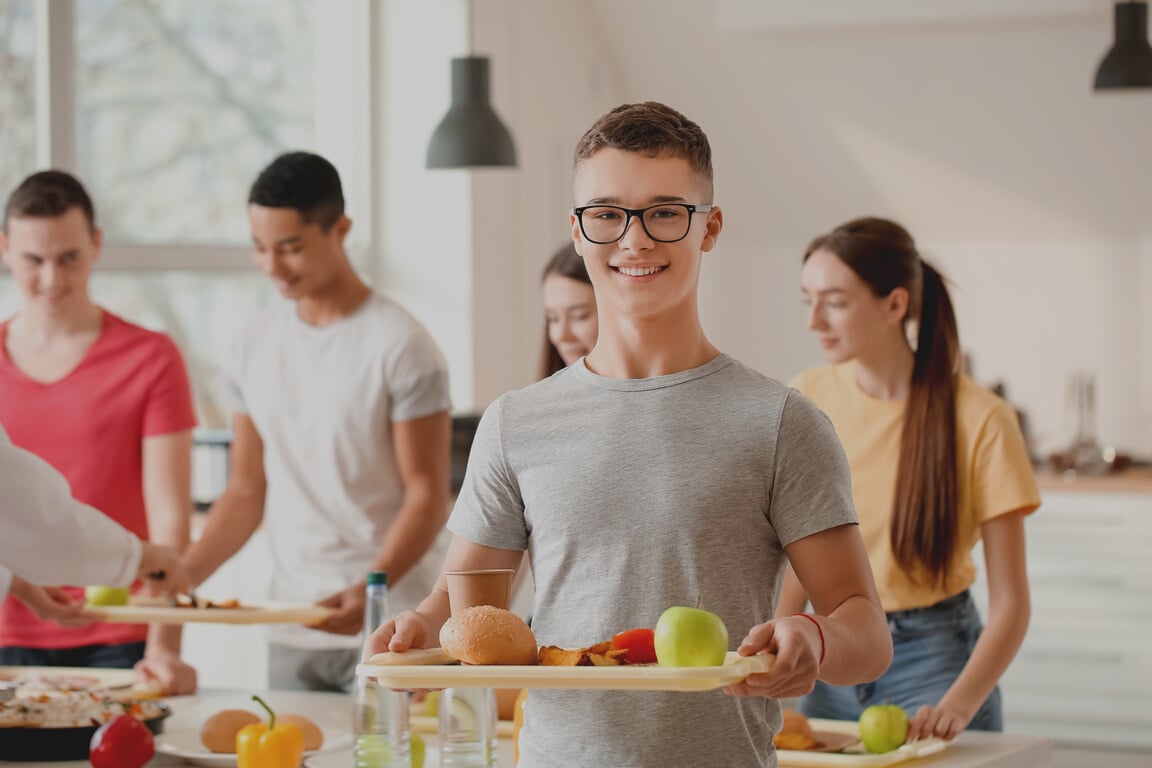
[187, 746]
[624, 677]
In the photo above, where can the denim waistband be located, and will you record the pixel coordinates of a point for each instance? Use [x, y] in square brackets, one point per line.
[947, 604]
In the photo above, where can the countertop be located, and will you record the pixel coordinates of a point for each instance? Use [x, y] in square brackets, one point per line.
[333, 711]
[1126, 481]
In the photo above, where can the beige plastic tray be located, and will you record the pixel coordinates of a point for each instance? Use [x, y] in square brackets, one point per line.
[637, 678]
[265, 614]
[856, 757]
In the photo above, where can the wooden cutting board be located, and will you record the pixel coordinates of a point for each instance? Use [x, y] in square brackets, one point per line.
[265, 614]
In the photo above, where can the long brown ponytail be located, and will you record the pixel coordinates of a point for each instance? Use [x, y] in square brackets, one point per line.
[924, 522]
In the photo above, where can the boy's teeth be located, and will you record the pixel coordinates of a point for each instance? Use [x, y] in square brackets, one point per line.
[639, 271]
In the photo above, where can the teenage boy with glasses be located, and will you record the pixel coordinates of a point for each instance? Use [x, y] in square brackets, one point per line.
[656, 470]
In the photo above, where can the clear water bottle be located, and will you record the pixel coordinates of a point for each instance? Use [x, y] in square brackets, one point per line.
[380, 715]
[467, 732]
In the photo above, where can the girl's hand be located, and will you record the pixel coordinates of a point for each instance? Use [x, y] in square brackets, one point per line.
[942, 720]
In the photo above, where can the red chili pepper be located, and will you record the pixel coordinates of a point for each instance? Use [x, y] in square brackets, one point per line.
[122, 742]
[640, 643]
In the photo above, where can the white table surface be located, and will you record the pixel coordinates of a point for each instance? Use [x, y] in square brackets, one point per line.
[334, 711]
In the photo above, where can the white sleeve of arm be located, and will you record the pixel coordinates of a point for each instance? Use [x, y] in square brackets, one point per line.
[49, 537]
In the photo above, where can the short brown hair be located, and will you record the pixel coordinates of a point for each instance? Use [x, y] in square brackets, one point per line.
[650, 128]
[49, 194]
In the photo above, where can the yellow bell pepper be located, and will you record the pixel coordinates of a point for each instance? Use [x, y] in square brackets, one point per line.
[267, 745]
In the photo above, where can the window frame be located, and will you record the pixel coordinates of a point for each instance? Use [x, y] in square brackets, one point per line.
[351, 139]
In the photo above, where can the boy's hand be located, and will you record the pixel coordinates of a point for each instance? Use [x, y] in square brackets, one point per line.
[407, 630]
[794, 671]
[348, 618]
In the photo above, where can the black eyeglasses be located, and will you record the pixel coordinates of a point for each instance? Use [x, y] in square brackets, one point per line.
[664, 223]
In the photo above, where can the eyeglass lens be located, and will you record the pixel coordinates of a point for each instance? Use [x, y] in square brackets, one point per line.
[663, 223]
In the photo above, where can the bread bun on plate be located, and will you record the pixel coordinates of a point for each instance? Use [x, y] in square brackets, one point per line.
[219, 731]
[313, 736]
[484, 634]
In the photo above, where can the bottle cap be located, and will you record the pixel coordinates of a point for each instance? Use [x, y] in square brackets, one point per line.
[377, 577]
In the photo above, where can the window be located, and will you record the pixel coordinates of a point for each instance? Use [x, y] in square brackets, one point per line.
[17, 91]
[176, 105]
[166, 111]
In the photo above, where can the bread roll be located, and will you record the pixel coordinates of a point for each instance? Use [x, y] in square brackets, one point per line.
[796, 733]
[313, 736]
[219, 731]
[487, 635]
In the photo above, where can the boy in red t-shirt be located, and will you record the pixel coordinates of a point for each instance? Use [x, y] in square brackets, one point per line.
[105, 402]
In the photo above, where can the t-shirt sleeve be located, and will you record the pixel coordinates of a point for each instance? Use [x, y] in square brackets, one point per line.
[1002, 476]
[811, 486]
[169, 408]
[418, 378]
[489, 509]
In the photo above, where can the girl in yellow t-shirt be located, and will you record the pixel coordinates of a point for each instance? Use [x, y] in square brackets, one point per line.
[937, 462]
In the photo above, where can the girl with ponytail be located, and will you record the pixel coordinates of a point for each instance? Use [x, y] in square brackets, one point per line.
[938, 463]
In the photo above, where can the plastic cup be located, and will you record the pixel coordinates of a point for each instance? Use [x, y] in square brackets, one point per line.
[490, 586]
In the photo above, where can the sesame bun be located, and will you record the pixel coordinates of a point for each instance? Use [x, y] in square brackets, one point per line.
[219, 731]
[487, 635]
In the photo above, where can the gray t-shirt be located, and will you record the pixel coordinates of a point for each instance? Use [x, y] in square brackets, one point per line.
[633, 495]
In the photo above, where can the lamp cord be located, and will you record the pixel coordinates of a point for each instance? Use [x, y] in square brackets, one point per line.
[471, 29]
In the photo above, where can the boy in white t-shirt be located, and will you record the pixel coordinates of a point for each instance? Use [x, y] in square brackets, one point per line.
[341, 431]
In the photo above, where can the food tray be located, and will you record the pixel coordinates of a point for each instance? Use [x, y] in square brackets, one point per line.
[856, 757]
[624, 677]
[71, 678]
[163, 614]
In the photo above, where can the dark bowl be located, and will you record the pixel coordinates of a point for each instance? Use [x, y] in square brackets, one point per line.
[41, 745]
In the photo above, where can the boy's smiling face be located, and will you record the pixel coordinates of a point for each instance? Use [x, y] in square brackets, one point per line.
[637, 276]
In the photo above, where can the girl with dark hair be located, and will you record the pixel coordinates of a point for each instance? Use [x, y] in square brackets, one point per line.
[938, 463]
[570, 326]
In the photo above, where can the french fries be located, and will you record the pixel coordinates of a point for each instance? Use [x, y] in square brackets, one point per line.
[599, 655]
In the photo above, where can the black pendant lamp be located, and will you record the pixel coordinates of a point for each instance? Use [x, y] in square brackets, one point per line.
[1129, 62]
[471, 134]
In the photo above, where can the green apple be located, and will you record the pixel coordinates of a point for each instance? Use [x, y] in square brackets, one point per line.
[883, 727]
[419, 749]
[690, 637]
[106, 595]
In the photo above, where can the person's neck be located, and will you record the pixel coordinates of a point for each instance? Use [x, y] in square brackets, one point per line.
[644, 349]
[41, 327]
[887, 373]
[336, 301]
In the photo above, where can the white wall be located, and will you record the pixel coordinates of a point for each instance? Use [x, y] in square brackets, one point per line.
[982, 136]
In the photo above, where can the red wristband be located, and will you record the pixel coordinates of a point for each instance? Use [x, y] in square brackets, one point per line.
[818, 629]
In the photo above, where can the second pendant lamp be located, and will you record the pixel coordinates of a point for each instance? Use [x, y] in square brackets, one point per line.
[471, 134]
[1128, 64]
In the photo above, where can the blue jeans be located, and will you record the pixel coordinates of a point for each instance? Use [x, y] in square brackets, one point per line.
[116, 656]
[931, 645]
